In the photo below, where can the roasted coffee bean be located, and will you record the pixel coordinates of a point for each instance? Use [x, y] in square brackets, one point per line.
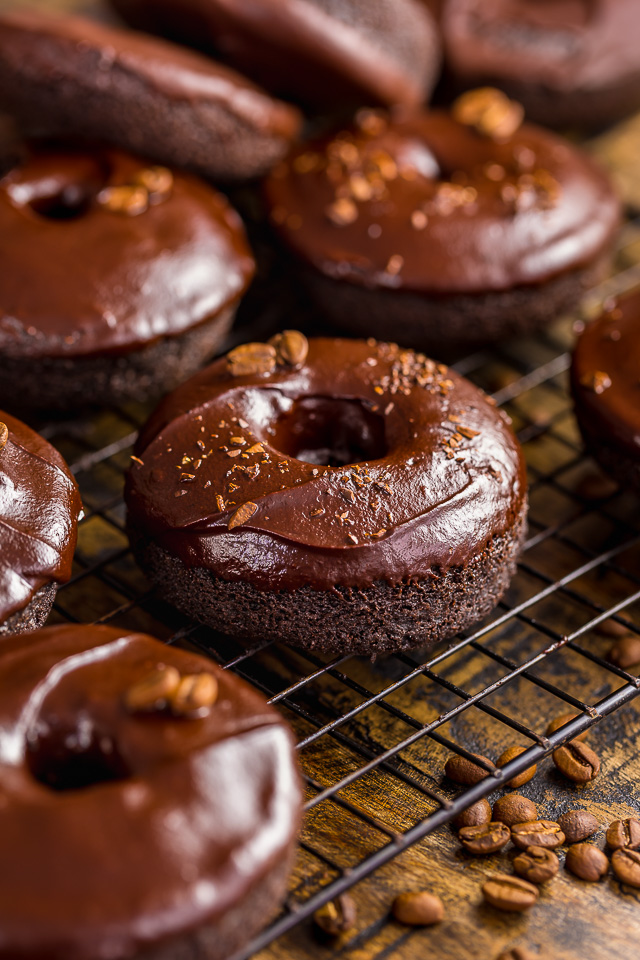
[464, 771]
[536, 864]
[537, 833]
[487, 838]
[518, 953]
[624, 834]
[625, 652]
[250, 359]
[509, 893]
[4, 434]
[153, 691]
[514, 809]
[474, 816]
[577, 762]
[560, 722]
[626, 866]
[291, 347]
[587, 862]
[510, 754]
[418, 908]
[577, 825]
[336, 917]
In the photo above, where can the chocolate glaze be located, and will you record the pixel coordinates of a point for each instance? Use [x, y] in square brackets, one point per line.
[189, 816]
[39, 509]
[439, 473]
[50, 46]
[562, 44]
[86, 280]
[452, 211]
[606, 375]
[322, 51]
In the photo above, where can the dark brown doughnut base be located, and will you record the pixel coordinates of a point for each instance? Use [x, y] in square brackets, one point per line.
[66, 383]
[449, 323]
[34, 615]
[380, 619]
[206, 137]
[613, 458]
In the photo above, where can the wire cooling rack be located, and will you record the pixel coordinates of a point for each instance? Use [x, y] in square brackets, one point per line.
[373, 737]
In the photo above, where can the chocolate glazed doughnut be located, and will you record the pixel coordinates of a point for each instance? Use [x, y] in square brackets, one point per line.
[443, 230]
[65, 76]
[323, 52]
[360, 498]
[570, 62]
[150, 800]
[605, 381]
[39, 510]
[118, 279]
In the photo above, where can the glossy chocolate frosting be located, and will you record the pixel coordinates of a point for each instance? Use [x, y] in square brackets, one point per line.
[563, 45]
[53, 46]
[424, 203]
[606, 375]
[323, 51]
[80, 278]
[176, 820]
[39, 510]
[425, 470]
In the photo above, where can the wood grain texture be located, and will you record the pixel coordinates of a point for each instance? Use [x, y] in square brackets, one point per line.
[573, 920]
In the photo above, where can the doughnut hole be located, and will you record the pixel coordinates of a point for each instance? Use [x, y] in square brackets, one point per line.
[330, 432]
[56, 187]
[72, 758]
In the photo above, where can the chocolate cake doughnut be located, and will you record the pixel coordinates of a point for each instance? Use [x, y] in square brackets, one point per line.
[356, 498]
[39, 510]
[119, 279]
[66, 76]
[442, 230]
[570, 62]
[150, 800]
[605, 381]
[323, 52]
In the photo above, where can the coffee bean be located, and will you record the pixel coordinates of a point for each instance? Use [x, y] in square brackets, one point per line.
[336, 917]
[291, 347]
[517, 953]
[520, 779]
[250, 359]
[537, 833]
[560, 722]
[577, 825]
[625, 653]
[626, 866]
[624, 834]
[536, 864]
[509, 893]
[514, 809]
[418, 908]
[474, 816]
[577, 762]
[464, 771]
[587, 862]
[486, 838]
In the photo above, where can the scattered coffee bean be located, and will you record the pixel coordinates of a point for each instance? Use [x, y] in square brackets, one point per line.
[577, 762]
[250, 359]
[626, 866]
[510, 754]
[587, 862]
[291, 347]
[336, 917]
[514, 809]
[474, 816]
[577, 825]
[418, 908]
[4, 434]
[536, 864]
[486, 838]
[517, 953]
[624, 834]
[537, 833]
[560, 722]
[153, 691]
[625, 652]
[464, 771]
[509, 893]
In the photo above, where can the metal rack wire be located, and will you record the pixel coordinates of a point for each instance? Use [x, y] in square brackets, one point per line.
[387, 726]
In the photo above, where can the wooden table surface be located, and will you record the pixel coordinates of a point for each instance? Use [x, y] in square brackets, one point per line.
[573, 920]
